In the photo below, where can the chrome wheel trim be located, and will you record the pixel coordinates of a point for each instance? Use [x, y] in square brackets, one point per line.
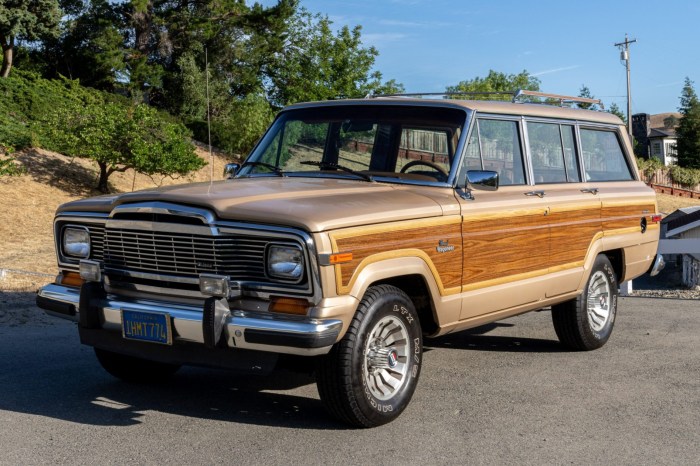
[385, 365]
[599, 302]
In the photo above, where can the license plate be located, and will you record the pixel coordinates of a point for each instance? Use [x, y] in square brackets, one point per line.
[153, 327]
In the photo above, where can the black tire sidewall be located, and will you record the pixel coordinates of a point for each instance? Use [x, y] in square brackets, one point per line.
[396, 304]
[598, 338]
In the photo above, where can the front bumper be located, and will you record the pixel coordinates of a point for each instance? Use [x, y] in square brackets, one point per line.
[259, 331]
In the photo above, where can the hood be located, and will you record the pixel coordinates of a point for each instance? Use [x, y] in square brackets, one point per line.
[313, 204]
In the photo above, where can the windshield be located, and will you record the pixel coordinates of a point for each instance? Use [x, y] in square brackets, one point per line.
[364, 142]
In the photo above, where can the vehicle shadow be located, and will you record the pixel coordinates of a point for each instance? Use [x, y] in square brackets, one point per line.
[478, 339]
[45, 371]
[98, 399]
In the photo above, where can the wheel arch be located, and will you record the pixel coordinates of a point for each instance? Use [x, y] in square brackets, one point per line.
[414, 277]
[617, 260]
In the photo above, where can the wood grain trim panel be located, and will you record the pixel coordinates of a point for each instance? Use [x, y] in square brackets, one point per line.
[410, 253]
[571, 230]
[418, 239]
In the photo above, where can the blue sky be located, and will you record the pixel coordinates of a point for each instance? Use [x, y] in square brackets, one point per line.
[430, 44]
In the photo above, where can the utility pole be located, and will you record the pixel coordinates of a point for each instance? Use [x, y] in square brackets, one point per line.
[625, 55]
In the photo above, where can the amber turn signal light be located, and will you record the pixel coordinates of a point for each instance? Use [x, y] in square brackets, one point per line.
[289, 305]
[340, 258]
[71, 279]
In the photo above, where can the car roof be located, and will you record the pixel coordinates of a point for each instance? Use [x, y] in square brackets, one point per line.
[479, 106]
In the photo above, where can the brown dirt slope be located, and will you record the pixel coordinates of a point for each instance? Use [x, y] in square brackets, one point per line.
[28, 203]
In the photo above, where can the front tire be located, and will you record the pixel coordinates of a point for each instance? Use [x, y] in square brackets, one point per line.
[586, 322]
[135, 370]
[369, 377]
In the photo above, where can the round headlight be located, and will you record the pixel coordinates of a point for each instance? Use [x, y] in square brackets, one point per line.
[285, 261]
[76, 242]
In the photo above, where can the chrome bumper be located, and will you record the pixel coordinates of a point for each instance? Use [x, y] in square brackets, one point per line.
[657, 266]
[260, 331]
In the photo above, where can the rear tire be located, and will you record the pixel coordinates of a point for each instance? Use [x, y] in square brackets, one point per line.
[369, 377]
[135, 370]
[586, 322]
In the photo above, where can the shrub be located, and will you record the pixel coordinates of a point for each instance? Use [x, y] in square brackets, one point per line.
[649, 166]
[687, 177]
[8, 165]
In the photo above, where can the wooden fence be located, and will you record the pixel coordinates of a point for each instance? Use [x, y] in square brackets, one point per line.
[661, 181]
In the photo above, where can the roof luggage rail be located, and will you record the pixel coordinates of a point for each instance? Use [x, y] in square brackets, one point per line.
[563, 99]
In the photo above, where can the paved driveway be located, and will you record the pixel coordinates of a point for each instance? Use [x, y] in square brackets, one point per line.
[503, 394]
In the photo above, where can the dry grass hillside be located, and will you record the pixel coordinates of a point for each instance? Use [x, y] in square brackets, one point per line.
[28, 203]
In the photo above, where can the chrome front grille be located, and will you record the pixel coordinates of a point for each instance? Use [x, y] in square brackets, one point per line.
[185, 254]
[164, 256]
[97, 238]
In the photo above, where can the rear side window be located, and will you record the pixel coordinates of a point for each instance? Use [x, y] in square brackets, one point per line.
[499, 141]
[603, 157]
[553, 153]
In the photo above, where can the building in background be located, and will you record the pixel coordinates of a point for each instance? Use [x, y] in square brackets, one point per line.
[656, 135]
[680, 241]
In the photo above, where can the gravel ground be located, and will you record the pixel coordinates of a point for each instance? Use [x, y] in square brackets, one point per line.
[665, 285]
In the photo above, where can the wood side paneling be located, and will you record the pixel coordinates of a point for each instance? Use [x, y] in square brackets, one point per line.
[499, 246]
[404, 242]
[617, 216]
[572, 232]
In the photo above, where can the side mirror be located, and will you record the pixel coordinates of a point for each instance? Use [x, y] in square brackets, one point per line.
[230, 169]
[484, 180]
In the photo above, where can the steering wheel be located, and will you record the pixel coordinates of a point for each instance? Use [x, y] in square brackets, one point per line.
[427, 163]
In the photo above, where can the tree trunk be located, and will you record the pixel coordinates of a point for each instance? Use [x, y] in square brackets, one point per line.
[8, 45]
[102, 185]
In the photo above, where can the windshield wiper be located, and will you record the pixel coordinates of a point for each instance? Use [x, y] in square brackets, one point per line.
[364, 176]
[276, 170]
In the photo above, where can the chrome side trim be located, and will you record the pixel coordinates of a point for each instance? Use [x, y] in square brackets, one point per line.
[187, 321]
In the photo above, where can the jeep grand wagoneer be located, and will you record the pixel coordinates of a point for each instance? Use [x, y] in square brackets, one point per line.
[354, 230]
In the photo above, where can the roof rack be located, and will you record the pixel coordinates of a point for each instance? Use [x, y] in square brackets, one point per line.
[563, 99]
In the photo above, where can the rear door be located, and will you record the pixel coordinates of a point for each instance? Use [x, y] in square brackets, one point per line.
[573, 207]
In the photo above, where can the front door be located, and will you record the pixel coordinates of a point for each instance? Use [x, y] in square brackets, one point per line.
[506, 232]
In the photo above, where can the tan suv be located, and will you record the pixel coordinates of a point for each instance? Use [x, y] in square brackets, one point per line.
[354, 230]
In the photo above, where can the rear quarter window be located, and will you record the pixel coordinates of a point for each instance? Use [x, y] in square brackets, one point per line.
[603, 157]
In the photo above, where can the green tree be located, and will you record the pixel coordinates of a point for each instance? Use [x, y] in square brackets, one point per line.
[497, 82]
[688, 130]
[118, 137]
[586, 94]
[617, 111]
[26, 20]
[317, 64]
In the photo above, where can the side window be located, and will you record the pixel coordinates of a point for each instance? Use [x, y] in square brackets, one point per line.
[553, 153]
[500, 150]
[603, 157]
[570, 159]
[473, 155]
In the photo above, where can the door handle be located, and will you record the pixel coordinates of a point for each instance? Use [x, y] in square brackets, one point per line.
[593, 191]
[536, 193]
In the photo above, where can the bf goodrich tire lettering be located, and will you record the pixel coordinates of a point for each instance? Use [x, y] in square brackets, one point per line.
[369, 377]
